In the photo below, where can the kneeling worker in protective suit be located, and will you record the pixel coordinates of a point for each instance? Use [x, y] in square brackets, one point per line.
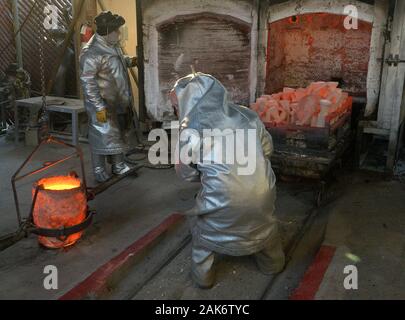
[233, 214]
[108, 96]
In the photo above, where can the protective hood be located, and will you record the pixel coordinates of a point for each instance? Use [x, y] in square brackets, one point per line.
[233, 212]
[203, 103]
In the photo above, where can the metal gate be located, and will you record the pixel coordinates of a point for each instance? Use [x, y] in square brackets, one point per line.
[35, 17]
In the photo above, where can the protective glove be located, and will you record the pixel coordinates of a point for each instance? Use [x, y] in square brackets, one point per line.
[102, 116]
[132, 62]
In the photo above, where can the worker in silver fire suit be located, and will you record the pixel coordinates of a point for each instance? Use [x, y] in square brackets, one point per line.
[234, 212]
[108, 96]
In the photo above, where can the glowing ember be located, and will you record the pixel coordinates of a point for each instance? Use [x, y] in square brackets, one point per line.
[61, 203]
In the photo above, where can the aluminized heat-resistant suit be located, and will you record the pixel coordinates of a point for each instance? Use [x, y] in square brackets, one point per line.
[106, 86]
[233, 214]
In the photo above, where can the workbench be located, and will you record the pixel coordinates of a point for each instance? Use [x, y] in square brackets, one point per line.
[74, 107]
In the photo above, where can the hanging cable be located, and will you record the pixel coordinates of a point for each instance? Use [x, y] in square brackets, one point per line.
[44, 116]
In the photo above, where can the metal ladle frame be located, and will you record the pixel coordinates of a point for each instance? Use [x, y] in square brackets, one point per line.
[27, 226]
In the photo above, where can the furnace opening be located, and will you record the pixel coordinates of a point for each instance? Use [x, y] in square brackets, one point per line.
[317, 47]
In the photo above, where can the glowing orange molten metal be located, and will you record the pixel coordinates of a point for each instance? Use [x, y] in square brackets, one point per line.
[61, 203]
[60, 183]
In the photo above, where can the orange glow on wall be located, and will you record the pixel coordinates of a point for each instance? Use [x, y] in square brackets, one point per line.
[317, 47]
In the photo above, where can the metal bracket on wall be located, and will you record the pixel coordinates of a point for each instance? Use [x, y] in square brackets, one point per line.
[394, 60]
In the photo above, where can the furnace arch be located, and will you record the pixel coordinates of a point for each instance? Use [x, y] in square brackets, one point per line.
[158, 13]
[215, 44]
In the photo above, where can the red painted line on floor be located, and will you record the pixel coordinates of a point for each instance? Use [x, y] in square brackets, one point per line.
[97, 282]
[312, 279]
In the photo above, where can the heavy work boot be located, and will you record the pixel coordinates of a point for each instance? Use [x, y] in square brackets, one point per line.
[271, 260]
[99, 168]
[119, 167]
[202, 263]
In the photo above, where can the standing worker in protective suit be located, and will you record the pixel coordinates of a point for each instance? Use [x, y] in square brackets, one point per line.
[233, 214]
[108, 96]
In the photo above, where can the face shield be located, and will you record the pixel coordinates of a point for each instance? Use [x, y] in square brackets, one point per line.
[114, 38]
[124, 36]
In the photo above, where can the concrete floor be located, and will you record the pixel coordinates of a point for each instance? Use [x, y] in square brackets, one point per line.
[367, 226]
[365, 222]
